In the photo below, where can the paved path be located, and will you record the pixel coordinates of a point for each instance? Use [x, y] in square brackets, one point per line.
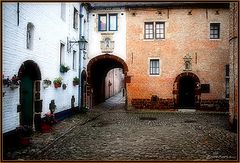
[108, 132]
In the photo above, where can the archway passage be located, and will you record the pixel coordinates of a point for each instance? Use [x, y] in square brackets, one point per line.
[97, 70]
[30, 76]
[187, 90]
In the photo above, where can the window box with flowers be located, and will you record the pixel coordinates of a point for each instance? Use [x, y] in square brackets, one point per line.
[13, 83]
[76, 81]
[64, 68]
[57, 82]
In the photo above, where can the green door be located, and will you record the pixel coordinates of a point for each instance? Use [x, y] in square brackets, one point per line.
[27, 101]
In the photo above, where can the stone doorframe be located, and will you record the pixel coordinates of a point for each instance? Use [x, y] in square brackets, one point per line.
[197, 88]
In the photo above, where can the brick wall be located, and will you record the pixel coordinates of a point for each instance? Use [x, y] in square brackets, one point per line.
[234, 60]
[184, 34]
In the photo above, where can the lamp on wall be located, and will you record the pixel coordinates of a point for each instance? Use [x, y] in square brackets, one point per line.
[81, 43]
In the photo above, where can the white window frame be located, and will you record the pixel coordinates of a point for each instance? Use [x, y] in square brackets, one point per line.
[149, 64]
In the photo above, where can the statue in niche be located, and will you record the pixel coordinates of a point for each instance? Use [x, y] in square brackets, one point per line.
[187, 65]
[107, 42]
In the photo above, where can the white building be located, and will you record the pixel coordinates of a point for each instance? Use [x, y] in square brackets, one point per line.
[36, 41]
[107, 47]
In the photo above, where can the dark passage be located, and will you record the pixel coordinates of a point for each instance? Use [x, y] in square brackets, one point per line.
[186, 92]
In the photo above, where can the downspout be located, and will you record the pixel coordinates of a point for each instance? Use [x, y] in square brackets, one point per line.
[80, 57]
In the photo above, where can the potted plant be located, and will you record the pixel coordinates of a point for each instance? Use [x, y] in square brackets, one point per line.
[46, 83]
[57, 82]
[76, 81]
[64, 68]
[85, 109]
[47, 122]
[24, 134]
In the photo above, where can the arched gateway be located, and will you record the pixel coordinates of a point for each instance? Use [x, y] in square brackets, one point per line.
[97, 70]
[186, 90]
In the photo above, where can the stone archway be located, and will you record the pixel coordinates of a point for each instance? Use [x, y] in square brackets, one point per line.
[186, 90]
[97, 70]
[31, 105]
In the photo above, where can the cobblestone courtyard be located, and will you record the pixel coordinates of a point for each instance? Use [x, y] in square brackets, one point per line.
[111, 133]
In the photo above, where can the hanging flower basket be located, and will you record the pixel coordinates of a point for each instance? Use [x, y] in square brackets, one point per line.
[13, 83]
[64, 68]
[46, 83]
[76, 81]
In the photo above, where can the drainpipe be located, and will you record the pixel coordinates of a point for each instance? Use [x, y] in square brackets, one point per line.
[80, 57]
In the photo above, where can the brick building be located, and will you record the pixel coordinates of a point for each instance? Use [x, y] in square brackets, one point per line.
[234, 61]
[178, 55]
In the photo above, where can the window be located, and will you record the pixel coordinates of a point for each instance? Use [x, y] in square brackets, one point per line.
[74, 64]
[214, 30]
[102, 22]
[113, 22]
[108, 22]
[30, 30]
[227, 80]
[63, 11]
[148, 30]
[154, 66]
[75, 18]
[160, 30]
[62, 53]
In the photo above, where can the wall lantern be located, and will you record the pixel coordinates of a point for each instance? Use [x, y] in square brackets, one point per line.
[82, 44]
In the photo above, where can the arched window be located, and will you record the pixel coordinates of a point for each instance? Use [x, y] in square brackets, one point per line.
[30, 31]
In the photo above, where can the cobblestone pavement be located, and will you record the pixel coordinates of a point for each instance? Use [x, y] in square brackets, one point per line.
[108, 132]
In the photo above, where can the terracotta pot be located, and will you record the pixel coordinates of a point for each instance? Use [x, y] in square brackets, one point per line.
[45, 127]
[25, 141]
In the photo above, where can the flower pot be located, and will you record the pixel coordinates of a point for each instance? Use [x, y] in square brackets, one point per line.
[75, 83]
[45, 127]
[57, 85]
[25, 141]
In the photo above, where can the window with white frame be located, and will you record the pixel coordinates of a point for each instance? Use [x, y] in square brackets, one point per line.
[154, 67]
[74, 63]
[63, 11]
[148, 28]
[159, 30]
[108, 22]
[75, 18]
[62, 53]
[30, 32]
[154, 30]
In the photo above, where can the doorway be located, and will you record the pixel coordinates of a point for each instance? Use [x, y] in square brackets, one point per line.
[26, 91]
[30, 76]
[186, 92]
